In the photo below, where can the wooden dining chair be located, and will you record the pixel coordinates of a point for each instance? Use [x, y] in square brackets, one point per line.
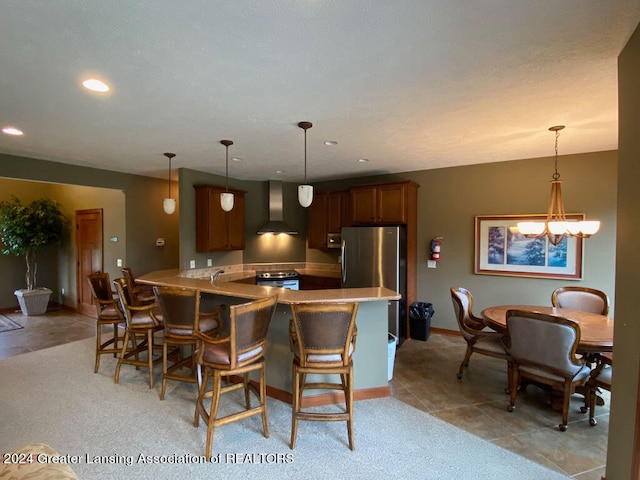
[109, 314]
[479, 337]
[322, 338]
[237, 354]
[600, 377]
[581, 298]
[140, 294]
[141, 326]
[181, 312]
[542, 348]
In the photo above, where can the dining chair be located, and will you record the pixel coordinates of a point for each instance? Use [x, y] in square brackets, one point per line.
[141, 322]
[181, 311]
[600, 377]
[140, 294]
[581, 298]
[109, 314]
[479, 337]
[323, 339]
[237, 354]
[542, 348]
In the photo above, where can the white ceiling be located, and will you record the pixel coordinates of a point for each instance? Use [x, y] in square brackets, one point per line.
[408, 84]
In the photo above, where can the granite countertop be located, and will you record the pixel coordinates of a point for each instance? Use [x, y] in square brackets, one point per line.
[225, 285]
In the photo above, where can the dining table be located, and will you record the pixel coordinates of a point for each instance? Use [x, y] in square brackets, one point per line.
[596, 331]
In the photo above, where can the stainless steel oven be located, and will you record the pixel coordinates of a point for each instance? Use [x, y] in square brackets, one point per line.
[281, 279]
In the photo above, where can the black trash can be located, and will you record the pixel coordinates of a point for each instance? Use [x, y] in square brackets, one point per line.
[420, 314]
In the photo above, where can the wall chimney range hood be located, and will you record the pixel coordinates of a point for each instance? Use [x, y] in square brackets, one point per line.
[276, 222]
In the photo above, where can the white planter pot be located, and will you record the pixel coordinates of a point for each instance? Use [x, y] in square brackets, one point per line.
[33, 302]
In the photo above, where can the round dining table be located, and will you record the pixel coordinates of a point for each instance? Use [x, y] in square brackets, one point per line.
[596, 331]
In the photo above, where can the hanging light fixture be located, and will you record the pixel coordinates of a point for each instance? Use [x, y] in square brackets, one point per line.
[226, 197]
[305, 191]
[169, 204]
[556, 226]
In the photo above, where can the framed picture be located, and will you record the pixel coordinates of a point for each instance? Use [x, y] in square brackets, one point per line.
[502, 250]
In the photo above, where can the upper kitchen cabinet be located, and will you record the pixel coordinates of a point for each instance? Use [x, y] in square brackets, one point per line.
[326, 215]
[388, 203]
[217, 230]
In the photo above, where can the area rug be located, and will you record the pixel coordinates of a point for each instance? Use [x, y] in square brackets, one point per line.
[124, 431]
[6, 324]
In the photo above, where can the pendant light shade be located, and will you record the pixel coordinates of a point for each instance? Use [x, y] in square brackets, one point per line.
[169, 204]
[226, 198]
[305, 191]
[556, 226]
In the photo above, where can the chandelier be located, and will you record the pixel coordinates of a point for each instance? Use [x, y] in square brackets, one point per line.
[169, 204]
[305, 191]
[226, 197]
[556, 226]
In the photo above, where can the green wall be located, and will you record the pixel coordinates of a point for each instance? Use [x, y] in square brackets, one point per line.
[450, 198]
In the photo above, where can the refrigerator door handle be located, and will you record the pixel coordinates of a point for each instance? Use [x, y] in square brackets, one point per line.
[343, 260]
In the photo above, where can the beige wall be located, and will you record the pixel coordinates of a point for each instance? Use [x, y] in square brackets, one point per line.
[625, 399]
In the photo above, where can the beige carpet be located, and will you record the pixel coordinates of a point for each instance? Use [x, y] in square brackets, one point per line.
[125, 431]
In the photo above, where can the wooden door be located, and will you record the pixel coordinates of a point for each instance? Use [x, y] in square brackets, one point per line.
[89, 255]
[317, 221]
[363, 205]
[391, 205]
[236, 225]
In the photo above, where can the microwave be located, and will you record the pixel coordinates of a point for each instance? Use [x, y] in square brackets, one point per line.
[334, 240]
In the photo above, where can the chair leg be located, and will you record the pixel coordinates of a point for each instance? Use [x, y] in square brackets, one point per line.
[565, 406]
[150, 356]
[295, 407]
[349, 404]
[98, 343]
[215, 403]
[513, 382]
[465, 362]
[123, 352]
[164, 370]
[592, 392]
[202, 388]
[263, 400]
[247, 398]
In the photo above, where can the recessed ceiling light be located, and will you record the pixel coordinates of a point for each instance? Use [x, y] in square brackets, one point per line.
[330, 143]
[236, 159]
[95, 85]
[279, 172]
[12, 131]
[363, 160]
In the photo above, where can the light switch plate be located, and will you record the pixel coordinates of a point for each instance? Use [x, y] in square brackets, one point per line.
[192, 264]
[431, 264]
[119, 262]
[209, 262]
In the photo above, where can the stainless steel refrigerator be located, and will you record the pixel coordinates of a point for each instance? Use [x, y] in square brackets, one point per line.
[376, 257]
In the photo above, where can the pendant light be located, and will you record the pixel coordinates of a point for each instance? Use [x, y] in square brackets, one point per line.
[169, 204]
[305, 191]
[226, 197]
[556, 226]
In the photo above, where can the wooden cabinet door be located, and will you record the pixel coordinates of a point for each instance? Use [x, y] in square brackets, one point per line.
[391, 204]
[236, 223]
[363, 205]
[334, 212]
[317, 222]
[217, 230]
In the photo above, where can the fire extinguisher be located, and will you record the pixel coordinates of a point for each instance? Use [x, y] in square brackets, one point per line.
[435, 248]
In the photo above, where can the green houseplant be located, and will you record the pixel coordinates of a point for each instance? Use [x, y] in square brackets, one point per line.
[25, 230]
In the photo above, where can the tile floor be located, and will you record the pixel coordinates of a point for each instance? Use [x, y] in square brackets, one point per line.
[425, 377]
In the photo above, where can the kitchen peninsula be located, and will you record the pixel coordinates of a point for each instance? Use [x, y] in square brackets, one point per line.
[370, 358]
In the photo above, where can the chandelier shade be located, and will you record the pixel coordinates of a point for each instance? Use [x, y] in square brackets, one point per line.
[226, 198]
[556, 226]
[305, 191]
[169, 204]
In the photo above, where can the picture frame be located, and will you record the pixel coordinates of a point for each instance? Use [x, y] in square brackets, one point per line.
[501, 250]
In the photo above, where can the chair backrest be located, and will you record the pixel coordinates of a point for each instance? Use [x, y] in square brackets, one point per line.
[100, 286]
[132, 312]
[324, 333]
[542, 340]
[127, 273]
[179, 307]
[248, 329]
[581, 298]
[469, 324]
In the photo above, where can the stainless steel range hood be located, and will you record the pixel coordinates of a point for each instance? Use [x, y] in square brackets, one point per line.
[276, 222]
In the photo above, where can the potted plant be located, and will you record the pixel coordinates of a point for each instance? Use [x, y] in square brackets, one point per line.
[25, 230]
